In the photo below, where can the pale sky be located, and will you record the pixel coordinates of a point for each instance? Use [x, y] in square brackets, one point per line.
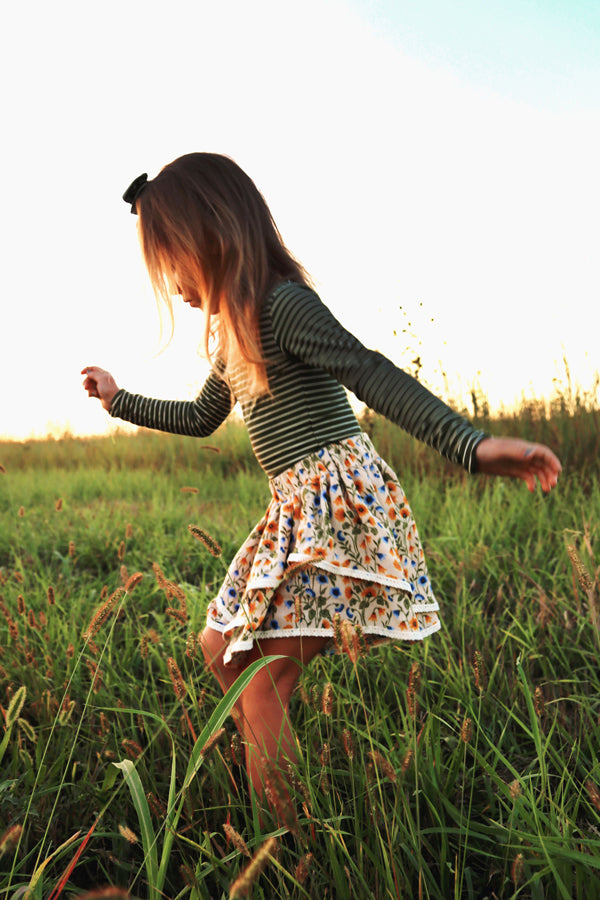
[431, 161]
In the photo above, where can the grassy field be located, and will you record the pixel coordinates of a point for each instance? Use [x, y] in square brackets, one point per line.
[465, 766]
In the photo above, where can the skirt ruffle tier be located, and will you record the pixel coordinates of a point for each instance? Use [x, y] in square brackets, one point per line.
[338, 543]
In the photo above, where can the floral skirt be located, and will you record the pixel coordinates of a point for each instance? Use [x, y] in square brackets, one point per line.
[337, 544]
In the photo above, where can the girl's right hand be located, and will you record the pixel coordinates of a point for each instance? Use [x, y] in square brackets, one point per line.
[100, 383]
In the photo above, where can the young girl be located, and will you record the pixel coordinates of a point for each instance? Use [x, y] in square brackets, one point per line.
[338, 543]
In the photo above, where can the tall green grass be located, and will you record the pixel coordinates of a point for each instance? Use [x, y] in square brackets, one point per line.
[465, 766]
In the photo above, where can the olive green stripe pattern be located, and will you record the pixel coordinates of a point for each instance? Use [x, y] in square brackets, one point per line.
[311, 358]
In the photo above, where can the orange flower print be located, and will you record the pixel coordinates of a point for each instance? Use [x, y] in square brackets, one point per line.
[348, 593]
[339, 515]
[392, 514]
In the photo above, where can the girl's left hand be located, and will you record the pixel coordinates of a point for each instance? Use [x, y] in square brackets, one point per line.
[515, 458]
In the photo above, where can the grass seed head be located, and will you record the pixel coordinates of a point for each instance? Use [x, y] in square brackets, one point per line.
[128, 531]
[71, 549]
[191, 645]
[236, 749]
[466, 732]
[129, 835]
[212, 742]
[133, 581]
[102, 614]
[337, 633]
[517, 868]
[21, 511]
[276, 791]
[234, 838]
[481, 681]
[243, 883]
[15, 706]
[121, 551]
[348, 743]
[539, 701]
[50, 595]
[327, 699]
[383, 765]
[110, 892]
[176, 679]
[325, 754]
[58, 505]
[10, 838]
[407, 760]
[583, 576]
[157, 807]
[593, 792]
[177, 614]
[131, 748]
[349, 642]
[159, 575]
[209, 542]
[515, 790]
[303, 868]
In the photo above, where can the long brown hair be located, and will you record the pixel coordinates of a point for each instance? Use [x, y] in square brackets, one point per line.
[206, 228]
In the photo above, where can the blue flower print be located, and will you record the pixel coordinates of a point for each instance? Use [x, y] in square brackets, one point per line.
[369, 574]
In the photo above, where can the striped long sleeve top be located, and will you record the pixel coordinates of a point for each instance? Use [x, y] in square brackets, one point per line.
[311, 358]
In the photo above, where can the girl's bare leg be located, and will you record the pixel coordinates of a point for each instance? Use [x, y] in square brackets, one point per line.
[261, 713]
